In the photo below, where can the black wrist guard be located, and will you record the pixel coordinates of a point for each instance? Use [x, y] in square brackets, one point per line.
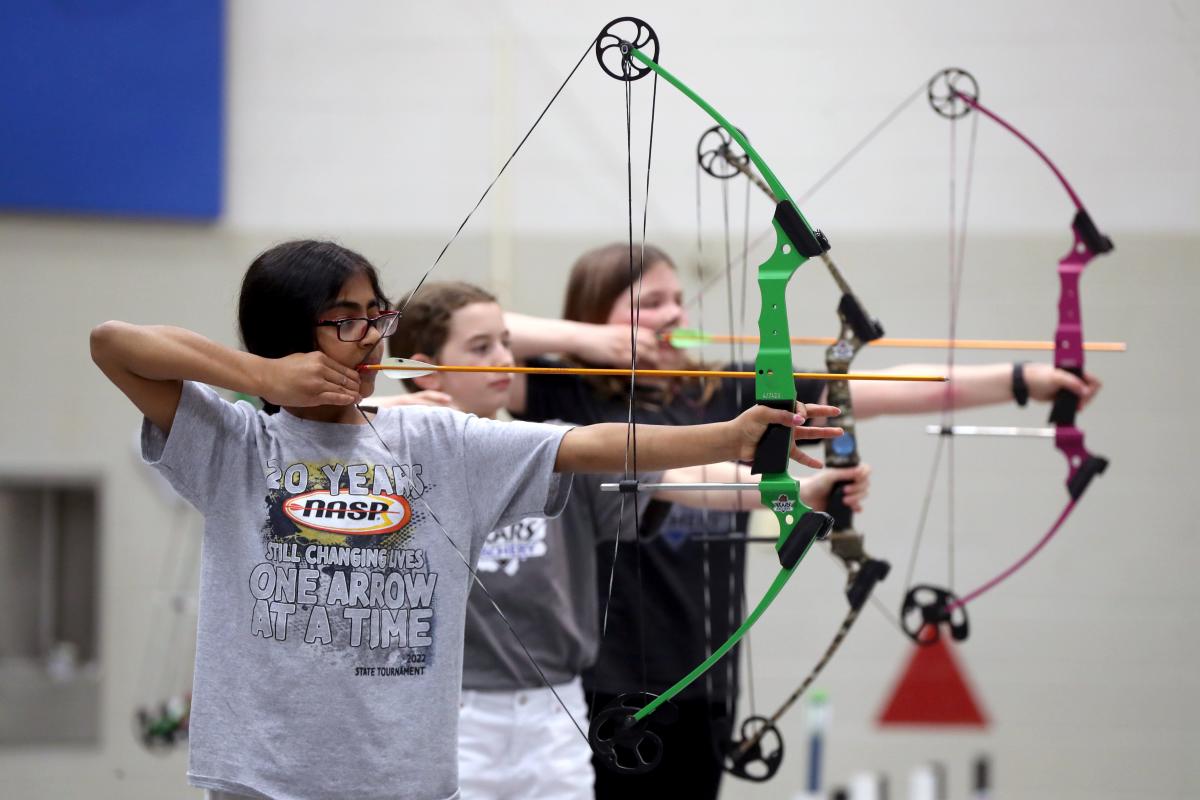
[1020, 388]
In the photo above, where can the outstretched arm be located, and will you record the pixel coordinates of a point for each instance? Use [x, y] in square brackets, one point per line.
[596, 344]
[604, 345]
[602, 447]
[814, 490]
[969, 386]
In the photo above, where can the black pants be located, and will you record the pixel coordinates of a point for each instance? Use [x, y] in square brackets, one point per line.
[691, 760]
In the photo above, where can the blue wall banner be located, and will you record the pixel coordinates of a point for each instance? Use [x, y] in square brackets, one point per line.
[112, 107]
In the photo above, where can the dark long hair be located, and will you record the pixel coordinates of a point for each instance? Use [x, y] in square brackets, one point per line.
[286, 289]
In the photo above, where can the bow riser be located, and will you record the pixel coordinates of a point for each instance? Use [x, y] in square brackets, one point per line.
[1068, 351]
[795, 243]
[1082, 466]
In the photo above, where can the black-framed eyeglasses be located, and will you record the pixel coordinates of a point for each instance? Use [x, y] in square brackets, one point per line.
[354, 329]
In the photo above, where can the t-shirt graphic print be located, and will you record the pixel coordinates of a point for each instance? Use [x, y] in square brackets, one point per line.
[341, 569]
[505, 549]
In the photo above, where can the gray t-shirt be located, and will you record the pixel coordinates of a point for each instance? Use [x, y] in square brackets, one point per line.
[332, 598]
[542, 574]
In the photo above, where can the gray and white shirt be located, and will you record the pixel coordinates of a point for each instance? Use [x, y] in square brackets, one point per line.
[333, 587]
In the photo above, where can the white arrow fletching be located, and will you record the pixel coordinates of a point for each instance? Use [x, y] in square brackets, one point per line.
[405, 368]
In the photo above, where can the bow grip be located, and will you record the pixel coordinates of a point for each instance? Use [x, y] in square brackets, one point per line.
[774, 449]
[835, 506]
[1066, 403]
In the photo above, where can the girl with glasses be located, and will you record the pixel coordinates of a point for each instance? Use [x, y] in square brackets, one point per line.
[339, 546]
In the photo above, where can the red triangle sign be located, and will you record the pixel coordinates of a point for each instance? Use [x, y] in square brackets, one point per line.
[933, 691]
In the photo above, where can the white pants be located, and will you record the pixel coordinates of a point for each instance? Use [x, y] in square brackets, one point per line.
[523, 746]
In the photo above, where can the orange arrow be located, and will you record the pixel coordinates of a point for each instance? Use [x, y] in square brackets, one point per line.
[399, 368]
[687, 338]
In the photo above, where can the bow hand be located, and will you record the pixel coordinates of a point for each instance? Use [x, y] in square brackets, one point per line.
[1047, 382]
[837, 491]
[765, 433]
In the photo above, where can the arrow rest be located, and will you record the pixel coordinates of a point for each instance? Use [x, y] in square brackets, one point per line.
[946, 90]
[931, 607]
[622, 742]
[756, 756]
[613, 46]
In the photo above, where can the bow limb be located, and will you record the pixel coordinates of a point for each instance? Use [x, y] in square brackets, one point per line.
[1088, 243]
[800, 234]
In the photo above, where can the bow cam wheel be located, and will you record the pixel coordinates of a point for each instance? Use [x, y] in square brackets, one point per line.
[929, 608]
[622, 742]
[947, 89]
[615, 42]
[757, 754]
[719, 155]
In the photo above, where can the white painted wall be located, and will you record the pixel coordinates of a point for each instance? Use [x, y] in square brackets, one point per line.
[380, 123]
[393, 115]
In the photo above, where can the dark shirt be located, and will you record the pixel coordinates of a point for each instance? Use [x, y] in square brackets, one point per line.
[658, 623]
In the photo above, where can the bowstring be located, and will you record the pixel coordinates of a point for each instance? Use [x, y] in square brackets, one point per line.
[494, 180]
[634, 328]
[944, 452]
[478, 581]
[636, 271]
[841, 164]
[730, 617]
[409, 298]
[733, 545]
[705, 553]
[738, 351]
[954, 288]
[858, 147]
[960, 255]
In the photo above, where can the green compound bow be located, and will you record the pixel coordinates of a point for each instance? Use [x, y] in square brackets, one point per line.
[618, 733]
[756, 751]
